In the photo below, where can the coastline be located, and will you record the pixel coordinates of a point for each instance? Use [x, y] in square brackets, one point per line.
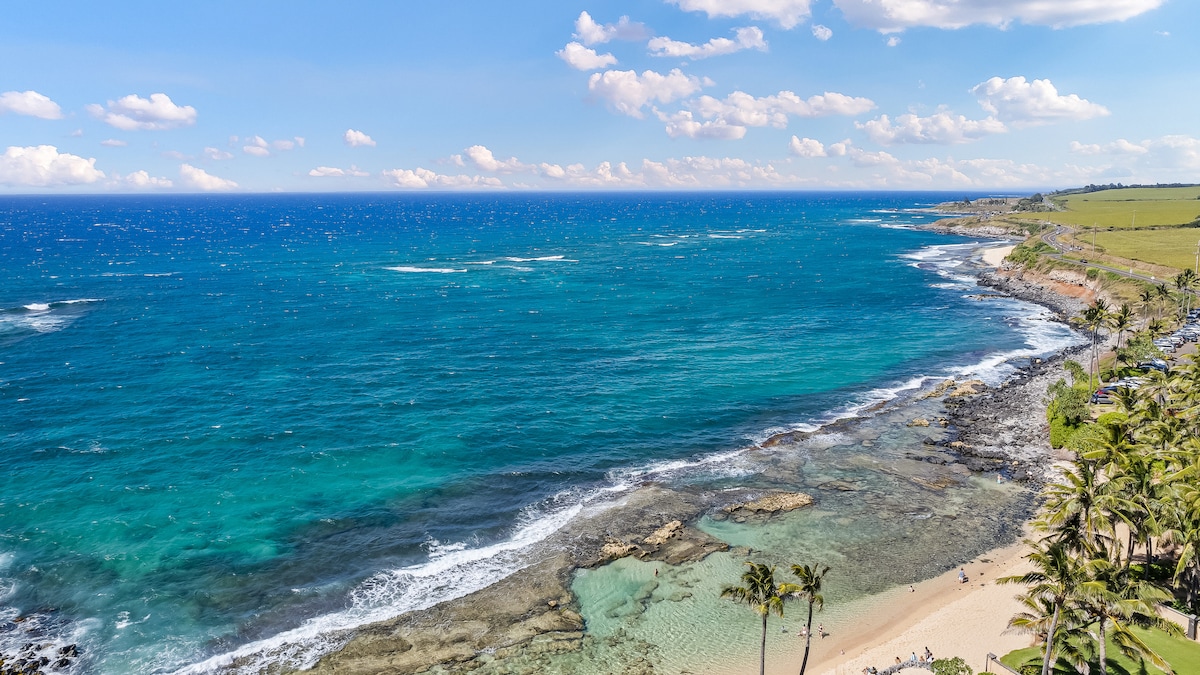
[534, 612]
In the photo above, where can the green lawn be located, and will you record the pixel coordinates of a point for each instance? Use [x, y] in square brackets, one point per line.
[1130, 207]
[1174, 247]
[1181, 653]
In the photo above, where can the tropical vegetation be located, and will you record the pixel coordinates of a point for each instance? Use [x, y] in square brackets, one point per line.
[1120, 529]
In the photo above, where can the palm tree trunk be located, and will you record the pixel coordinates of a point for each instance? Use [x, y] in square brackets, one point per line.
[1129, 557]
[1049, 659]
[762, 650]
[807, 639]
[1103, 650]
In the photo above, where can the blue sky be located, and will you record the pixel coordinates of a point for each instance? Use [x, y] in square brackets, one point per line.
[563, 95]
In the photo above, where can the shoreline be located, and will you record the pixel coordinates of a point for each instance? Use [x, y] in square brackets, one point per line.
[534, 609]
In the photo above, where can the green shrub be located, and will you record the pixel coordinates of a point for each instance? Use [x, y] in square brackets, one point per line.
[954, 666]
[1111, 418]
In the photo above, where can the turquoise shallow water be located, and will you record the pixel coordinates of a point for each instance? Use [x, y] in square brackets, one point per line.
[224, 417]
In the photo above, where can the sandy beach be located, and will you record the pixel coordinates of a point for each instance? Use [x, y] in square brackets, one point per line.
[995, 256]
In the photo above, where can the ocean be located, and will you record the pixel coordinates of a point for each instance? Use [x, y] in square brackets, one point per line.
[235, 423]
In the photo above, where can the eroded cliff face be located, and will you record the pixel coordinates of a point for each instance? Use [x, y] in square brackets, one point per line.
[1064, 291]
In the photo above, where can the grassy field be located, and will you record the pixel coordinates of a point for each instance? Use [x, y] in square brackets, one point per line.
[1181, 653]
[1173, 248]
[1125, 208]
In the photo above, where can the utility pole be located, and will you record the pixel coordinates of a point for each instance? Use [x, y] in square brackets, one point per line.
[1197, 270]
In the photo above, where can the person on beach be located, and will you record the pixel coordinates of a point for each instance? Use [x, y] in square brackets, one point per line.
[821, 630]
[962, 576]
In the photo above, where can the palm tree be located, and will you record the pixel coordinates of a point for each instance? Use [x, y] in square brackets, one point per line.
[1093, 317]
[1121, 321]
[1164, 294]
[1111, 599]
[1147, 298]
[1184, 282]
[810, 591]
[764, 596]
[1054, 585]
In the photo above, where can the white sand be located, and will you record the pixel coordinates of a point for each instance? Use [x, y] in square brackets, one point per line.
[995, 256]
[949, 618]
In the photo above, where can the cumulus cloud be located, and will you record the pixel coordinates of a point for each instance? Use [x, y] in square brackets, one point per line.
[890, 16]
[893, 41]
[217, 153]
[744, 38]
[627, 92]
[355, 139]
[745, 110]
[113, 143]
[257, 146]
[686, 172]
[419, 179]
[787, 13]
[684, 124]
[806, 147]
[132, 112]
[29, 103]
[590, 33]
[141, 180]
[1028, 103]
[582, 58]
[45, 166]
[820, 32]
[334, 172]
[941, 127]
[202, 180]
[484, 160]
[285, 144]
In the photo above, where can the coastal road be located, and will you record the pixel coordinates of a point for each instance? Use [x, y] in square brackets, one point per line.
[1051, 239]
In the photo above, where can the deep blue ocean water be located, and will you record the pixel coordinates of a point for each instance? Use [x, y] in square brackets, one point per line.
[224, 416]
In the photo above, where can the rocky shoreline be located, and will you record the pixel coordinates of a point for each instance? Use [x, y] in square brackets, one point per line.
[532, 614]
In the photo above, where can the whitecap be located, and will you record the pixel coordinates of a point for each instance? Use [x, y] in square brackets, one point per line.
[425, 270]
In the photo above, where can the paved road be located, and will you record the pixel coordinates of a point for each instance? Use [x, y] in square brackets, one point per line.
[1051, 239]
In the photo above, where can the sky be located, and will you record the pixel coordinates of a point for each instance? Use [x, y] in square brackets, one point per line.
[474, 95]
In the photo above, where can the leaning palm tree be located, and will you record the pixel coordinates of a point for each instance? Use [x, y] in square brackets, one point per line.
[1184, 281]
[764, 596]
[1055, 583]
[810, 591]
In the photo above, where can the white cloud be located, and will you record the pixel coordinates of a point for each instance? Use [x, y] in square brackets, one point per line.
[589, 32]
[1027, 103]
[30, 103]
[941, 127]
[45, 166]
[202, 180]
[806, 147]
[787, 13]
[686, 172]
[742, 109]
[355, 139]
[285, 144]
[140, 180]
[627, 92]
[334, 172]
[217, 153]
[893, 41]
[582, 58]
[820, 32]
[683, 124]
[1117, 147]
[484, 160]
[113, 143]
[889, 16]
[745, 38]
[257, 146]
[133, 112]
[419, 178]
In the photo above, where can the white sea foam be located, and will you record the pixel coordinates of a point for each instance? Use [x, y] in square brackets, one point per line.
[41, 317]
[38, 307]
[455, 571]
[544, 258]
[425, 270]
